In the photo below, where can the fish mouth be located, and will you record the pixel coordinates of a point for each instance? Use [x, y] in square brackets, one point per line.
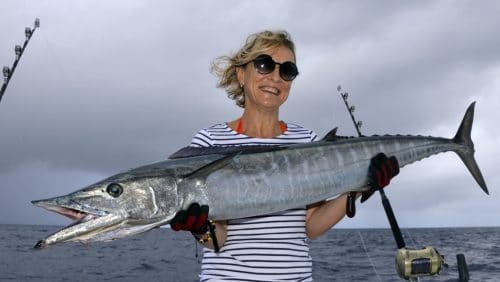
[86, 221]
[72, 210]
[77, 216]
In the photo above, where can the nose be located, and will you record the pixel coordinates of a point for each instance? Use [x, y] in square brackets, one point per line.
[275, 74]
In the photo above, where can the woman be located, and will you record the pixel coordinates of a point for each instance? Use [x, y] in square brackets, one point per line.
[272, 247]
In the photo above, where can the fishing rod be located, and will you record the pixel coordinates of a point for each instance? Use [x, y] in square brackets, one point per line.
[410, 264]
[8, 72]
[396, 231]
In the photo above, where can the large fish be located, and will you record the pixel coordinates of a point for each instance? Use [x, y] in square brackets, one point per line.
[237, 182]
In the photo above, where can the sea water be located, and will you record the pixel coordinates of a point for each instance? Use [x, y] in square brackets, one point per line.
[164, 255]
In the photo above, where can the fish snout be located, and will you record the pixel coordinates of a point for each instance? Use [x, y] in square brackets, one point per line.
[40, 245]
[39, 203]
[52, 202]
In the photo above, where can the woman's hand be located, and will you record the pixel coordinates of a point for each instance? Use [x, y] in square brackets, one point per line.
[193, 219]
[380, 173]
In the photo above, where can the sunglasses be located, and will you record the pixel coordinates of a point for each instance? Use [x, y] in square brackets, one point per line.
[264, 64]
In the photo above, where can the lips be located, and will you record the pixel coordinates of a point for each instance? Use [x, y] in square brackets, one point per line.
[270, 90]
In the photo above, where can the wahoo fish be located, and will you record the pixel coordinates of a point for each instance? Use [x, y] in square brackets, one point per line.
[238, 182]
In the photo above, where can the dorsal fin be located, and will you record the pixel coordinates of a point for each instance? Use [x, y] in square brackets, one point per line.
[331, 135]
[203, 172]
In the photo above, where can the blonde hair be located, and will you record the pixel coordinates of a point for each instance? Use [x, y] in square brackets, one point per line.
[224, 67]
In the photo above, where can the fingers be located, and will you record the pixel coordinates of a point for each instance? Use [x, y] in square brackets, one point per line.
[200, 225]
[381, 171]
[350, 209]
[375, 172]
[366, 195]
[193, 213]
[177, 223]
[395, 165]
[193, 219]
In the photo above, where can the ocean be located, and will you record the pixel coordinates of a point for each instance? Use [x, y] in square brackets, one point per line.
[165, 255]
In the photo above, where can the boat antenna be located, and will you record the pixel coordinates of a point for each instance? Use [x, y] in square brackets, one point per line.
[8, 72]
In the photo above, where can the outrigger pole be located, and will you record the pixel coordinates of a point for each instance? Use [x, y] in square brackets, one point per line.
[8, 72]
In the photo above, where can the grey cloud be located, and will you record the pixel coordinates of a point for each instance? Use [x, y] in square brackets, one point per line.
[106, 86]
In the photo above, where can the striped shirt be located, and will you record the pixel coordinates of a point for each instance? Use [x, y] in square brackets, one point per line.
[262, 248]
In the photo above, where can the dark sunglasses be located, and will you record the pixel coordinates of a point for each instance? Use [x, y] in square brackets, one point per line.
[264, 64]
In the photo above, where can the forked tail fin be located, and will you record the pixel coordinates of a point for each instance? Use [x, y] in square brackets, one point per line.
[467, 155]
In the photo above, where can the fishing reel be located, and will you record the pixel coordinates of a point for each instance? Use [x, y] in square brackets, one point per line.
[416, 263]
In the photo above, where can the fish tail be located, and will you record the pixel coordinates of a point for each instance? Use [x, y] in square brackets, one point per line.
[463, 137]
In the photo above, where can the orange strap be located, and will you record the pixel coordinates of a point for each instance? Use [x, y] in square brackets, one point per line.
[239, 127]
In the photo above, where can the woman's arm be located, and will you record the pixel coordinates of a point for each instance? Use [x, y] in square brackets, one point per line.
[322, 216]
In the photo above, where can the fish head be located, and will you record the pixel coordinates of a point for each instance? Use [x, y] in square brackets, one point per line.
[113, 208]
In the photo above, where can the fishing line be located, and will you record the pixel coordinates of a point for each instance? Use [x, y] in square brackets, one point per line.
[55, 59]
[408, 233]
[196, 252]
[368, 256]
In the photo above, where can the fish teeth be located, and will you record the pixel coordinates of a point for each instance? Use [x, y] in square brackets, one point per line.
[88, 217]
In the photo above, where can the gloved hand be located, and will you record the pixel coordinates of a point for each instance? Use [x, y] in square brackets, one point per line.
[380, 173]
[193, 219]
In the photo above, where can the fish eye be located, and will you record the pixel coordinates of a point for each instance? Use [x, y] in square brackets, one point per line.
[114, 189]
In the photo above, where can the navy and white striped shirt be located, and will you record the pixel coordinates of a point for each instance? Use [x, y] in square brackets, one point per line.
[262, 248]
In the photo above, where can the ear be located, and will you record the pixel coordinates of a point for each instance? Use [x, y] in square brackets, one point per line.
[240, 75]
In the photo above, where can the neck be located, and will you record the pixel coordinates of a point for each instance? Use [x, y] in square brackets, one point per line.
[262, 125]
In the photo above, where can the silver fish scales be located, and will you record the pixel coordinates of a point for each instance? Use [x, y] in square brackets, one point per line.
[239, 182]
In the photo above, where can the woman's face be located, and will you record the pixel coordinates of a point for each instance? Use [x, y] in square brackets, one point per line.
[266, 91]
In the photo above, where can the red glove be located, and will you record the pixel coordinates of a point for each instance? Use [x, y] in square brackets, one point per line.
[380, 173]
[193, 219]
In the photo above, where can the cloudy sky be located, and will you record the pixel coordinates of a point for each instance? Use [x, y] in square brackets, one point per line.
[105, 86]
